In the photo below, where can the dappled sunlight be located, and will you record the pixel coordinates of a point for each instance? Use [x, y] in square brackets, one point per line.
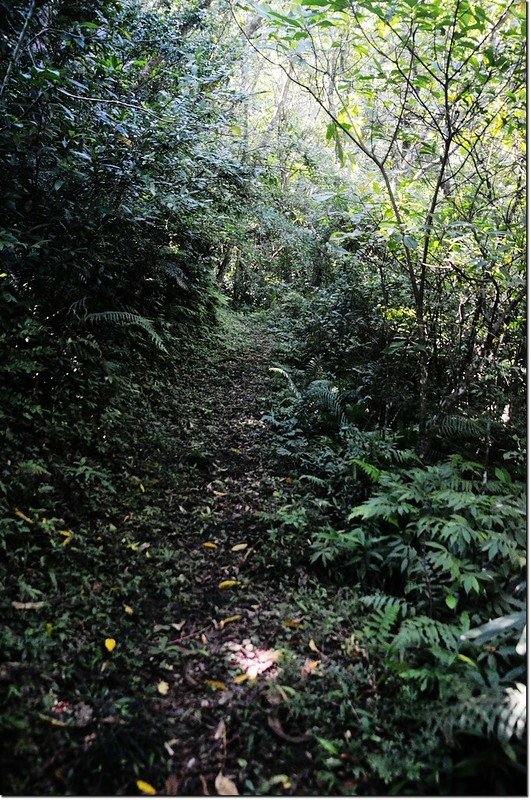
[253, 661]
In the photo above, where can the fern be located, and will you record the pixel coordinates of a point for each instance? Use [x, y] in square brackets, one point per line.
[502, 712]
[289, 379]
[324, 396]
[379, 624]
[314, 480]
[370, 470]
[425, 631]
[175, 272]
[83, 346]
[127, 318]
[383, 601]
[455, 426]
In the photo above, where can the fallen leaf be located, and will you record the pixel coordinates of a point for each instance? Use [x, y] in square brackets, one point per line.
[276, 727]
[219, 494]
[241, 678]
[283, 779]
[172, 785]
[224, 786]
[146, 788]
[227, 620]
[238, 547]
[110, 644]
[235, 450]
[67, 536]
[19, 513]
[227, 584]
[292, 623]
[58, 723]
[309, 666]
[253, 671]
[163, 687]
[221, 731]
[128, 609]
[313, 646]
[216, 684]
[209, 545]
[23, 606]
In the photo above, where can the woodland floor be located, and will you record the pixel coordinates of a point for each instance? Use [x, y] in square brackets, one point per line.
[166, 630]
[206, 677]
[243, 624]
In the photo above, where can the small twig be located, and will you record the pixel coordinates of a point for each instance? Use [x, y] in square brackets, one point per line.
[190, 635]
[16, 51]
[109, 100]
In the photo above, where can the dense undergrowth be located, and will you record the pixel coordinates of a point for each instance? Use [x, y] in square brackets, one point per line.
[246, 403]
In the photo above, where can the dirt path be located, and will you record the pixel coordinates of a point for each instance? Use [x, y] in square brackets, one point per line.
[232, 625]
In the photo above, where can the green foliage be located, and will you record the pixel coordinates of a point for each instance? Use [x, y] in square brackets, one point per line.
[127, 318]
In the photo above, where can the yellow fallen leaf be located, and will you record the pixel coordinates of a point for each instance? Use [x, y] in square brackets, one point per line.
[58, 723]
[235, 450]
[227, 620]
[283, 779]
[163, 687]
[241, 678]
[146, 788]
[224, 786]
[209, 545]
[309, 666]
[141, 486]
[128, 609]
[293, 623]
[313, 647]
[238, 547]
[67, 536]
[110, 644]
[227, 584]
[216, 685]
[19, 513]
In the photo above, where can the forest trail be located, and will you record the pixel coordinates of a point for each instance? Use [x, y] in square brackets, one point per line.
[234, 621]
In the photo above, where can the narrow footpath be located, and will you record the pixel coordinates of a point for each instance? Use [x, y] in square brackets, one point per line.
[236, 630]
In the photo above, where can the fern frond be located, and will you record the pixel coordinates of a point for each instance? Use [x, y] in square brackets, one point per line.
[378, 625]
[127, 318]
[79, 308]
[456, 426]
[313, 479]
[289, 379]
[422, 630]
[383, 601]
[370, 470]
[83, 346]
[326, 397]
[175, 272]
[493, 711]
